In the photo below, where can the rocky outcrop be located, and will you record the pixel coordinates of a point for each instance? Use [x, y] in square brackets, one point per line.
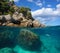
[16, 16]
[28, 40]
[36, 23]
[18, 20]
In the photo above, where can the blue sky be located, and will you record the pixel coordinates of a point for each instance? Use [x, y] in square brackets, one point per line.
[45, 11]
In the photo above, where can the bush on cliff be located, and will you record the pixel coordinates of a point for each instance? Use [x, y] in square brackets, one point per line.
[5, 7]
[26, 12]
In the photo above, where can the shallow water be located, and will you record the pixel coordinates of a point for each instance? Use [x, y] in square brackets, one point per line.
[50, 37]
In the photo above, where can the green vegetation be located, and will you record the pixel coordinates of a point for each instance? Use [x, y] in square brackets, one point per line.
[26, 12]
[5, 7]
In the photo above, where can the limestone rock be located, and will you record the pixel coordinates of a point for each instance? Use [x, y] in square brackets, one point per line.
[42, 25]
[36, 23]
[10, 24]
[0, 23]
[23, 24]
[18, 20]
[30, 24]
[17, 16]
[26, 23]
[4, 24]
[7, 17]
[0, 17]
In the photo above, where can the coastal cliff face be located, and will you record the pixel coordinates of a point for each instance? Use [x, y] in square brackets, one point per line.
[17, 16]
[18, 21]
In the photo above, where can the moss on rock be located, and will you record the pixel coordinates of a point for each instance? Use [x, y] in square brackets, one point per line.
[28, 40]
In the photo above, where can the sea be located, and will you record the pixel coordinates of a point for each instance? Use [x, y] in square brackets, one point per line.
[50, 37]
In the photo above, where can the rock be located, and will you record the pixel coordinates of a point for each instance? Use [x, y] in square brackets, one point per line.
[15, 7]
[0, 17]
[4, 19]
[7, 17]
[6, 39]
[17, 16]
[23, 24]
[29, 23]
[42, 25]
[18, 20]
[0, 23]
[26, 23]
[10, 24]
[4, 24]
[6, 50]
[36, 23]
[20, 15]
[28, 40]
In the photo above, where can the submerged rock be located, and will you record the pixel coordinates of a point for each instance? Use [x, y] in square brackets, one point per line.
[6, 50]
[29, 41]
[6, 39]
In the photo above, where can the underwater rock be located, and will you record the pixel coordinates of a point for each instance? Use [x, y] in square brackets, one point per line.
[29, 41]
[6, 50]
[7, 39]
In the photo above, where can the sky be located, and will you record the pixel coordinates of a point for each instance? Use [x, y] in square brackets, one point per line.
[45, 11]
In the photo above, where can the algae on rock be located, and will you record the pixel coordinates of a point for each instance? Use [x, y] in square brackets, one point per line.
[29, 41]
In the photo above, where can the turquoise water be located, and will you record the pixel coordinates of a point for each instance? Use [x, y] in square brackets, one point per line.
[50, 37]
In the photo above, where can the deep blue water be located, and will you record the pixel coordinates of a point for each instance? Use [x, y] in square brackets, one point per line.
[50, 37]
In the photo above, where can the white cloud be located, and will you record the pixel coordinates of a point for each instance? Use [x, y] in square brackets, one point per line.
[15, 0]
[47, 14]
[58, 7]
[43, 12]
[37, 2]
[30, 0]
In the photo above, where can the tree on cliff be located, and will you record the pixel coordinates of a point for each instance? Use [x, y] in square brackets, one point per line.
[26, 12]
[5, 7]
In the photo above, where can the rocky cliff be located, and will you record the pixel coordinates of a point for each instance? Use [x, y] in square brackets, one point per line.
[17, 16]
[18, 21]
